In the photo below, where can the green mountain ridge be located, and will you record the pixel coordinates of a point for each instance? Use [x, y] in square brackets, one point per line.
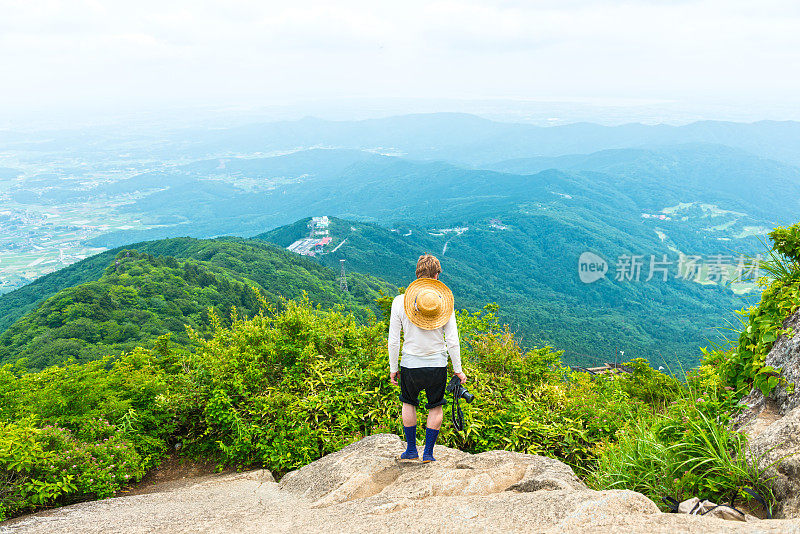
[718, 174]
[535, 282]
[31, 313]
[138, 298]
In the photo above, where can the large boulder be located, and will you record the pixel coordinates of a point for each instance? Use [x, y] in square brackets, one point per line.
[370, 467]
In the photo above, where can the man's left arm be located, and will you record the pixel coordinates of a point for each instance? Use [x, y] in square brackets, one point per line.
[395, 326]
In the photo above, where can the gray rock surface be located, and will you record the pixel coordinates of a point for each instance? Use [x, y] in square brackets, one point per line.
[772, 423]
[363, 488]
[777, 448]
[784, 355]
[370, 467]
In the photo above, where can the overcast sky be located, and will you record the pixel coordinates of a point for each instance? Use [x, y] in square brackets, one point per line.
[108, 53]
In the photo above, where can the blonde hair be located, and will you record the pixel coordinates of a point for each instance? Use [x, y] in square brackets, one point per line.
[428, 266]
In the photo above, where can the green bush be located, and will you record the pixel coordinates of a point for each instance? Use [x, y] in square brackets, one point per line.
[80, 431]
[786, 240]
[42, 465]
[687, 451]
[648, 385]
[283, 389]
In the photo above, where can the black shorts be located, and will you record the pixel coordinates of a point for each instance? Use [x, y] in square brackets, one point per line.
[432, 379]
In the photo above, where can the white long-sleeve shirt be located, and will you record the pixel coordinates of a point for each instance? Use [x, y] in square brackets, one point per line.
[422, 348]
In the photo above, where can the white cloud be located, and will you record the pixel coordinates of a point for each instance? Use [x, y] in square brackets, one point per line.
[80, 52]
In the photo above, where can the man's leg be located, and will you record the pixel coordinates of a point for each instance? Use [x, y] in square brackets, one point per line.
[435, 416]
[410, 415]
[435, 395]
[410, 431]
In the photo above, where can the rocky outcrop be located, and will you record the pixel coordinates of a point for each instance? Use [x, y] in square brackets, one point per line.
[784, 355]
[364, 488]
[370, 468]
[772, 423]
[777, 450]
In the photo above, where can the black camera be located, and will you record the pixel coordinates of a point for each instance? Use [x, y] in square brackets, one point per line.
[459, 391]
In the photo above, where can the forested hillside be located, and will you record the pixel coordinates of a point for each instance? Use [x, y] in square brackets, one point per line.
[140, 297]
[270, 267]
[656, 177]
[530, 269]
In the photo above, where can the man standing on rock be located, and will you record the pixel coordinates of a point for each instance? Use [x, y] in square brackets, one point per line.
[425, 315]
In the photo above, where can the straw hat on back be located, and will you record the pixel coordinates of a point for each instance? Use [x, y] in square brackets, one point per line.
[428, 303]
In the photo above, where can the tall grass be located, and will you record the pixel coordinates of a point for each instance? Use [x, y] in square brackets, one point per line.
[776, 266]
[687, 451]
[638, 462]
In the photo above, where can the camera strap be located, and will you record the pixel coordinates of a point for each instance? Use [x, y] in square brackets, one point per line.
[456, 415]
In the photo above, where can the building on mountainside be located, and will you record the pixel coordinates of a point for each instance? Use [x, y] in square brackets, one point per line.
[318, 237]
[320, 222]
[319, 226]
[303, 246]
[309, 246]
[319, 245]
[607, 368]
[659, 216]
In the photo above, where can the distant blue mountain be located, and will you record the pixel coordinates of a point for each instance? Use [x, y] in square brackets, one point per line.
[467, 139]
[244, 196]
[660, 176]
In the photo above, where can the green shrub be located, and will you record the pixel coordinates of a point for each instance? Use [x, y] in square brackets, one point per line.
[640, 461]
[646, 384]
[42, 465]
[687, 451]
[80, 431]
[284, 388]
[786, 240]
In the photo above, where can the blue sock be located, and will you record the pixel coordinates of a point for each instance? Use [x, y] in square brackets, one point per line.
[430, 441]
[411, 443]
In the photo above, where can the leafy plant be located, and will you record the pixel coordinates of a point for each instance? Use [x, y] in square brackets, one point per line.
[786, 241]
[41, 465]
[742, 365]
[687, 451]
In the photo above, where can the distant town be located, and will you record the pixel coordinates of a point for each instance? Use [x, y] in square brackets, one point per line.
[318, 237]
